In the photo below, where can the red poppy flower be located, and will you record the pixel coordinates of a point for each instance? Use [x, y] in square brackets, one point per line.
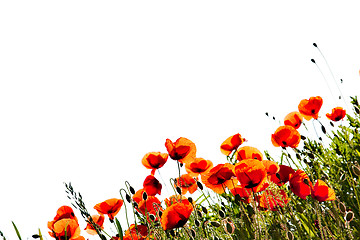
[247, 152]
[66, 228]
[300, 184]
[183, 150]
[198, 166]
[286, 136]
[293, 119]
[273, 199]
[176, 216]
[283, 173]
[219, 177]
[137, 197]
[251, 174]
[310, 108]
[186, 183]
[152, 186]
[322, 192]
[62, 212]
[231, 143]
[98, 220]
[243, 192]
[337, 114]
[111, 207]
[150, 205]
[175, 199]
[154, 160]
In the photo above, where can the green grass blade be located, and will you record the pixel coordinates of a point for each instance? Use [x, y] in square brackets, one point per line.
[119, 229]
[16, 230]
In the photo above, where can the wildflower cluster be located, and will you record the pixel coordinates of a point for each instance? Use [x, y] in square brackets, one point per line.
[247, 197]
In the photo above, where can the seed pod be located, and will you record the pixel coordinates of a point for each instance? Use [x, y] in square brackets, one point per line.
[331, 123]
[356, 170]
[323, 129]
[303, 137]
[34, 236]
[298, 156]
[190, 200]
[349, 216]
[342, 207]
[160, 213]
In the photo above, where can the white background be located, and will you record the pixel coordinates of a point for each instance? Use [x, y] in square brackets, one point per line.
[87, 88]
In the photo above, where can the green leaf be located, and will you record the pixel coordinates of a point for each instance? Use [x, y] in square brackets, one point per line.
[119, 229]
[16, 230]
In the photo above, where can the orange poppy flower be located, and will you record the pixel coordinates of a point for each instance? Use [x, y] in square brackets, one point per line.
[337, 114]
[198, 166]
[322, 192]
[152, 186]
[98, 220]
[154, 160]
[283, 173]
[111, 207]
[293, 119]
[271, 167]
[148, 205]
[251, 174]
[62, 212]
[310, 108]
[186, 183]
[219, 177]
[176, 216]
[183, 150]
[66, 228]
[247, 152]
[286, 136]
[175, 199]
[231, 143]
[273, 199]
[243, 192]
[300, 184]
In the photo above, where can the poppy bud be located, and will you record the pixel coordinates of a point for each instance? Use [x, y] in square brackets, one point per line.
[323, 129]
[313, 60]
[331, 123]
[135, 204]
[311, 155]
[229, 227]
[178, 190]
[144, 196]
[349, 216]
[342, 207]
[267, 114]
[197, 223]
[160, 213]
[356, 170]
[199, 213]
[303, 137]
[193, 233]
[290, 235]
[181, 164]
[357, 110]
[315, 45]
[221, 214]
[273, 118]
[152, 217]
[132, 190]
[341, 80]
[34, 236]
[320, 138]
[128, 198]
[204, 209]
[215, 224]
[298, 156]
[306, 181]
[199, 184]
[190, 200]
